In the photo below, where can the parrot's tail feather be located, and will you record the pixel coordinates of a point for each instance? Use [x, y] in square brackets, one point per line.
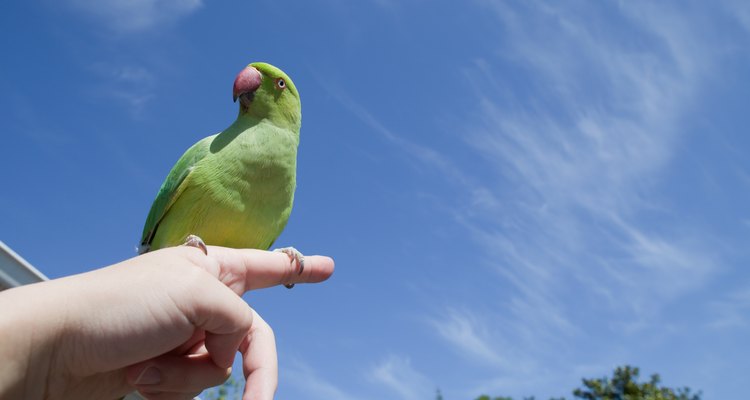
[143, 248]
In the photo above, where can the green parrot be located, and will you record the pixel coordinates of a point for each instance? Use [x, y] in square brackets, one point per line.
[235, 188]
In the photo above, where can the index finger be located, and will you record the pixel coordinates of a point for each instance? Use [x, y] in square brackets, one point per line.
[248, 269]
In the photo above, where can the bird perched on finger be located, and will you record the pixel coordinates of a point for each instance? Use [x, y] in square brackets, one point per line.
[235, 188]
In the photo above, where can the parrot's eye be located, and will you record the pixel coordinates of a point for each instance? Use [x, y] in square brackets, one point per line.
[280, 83]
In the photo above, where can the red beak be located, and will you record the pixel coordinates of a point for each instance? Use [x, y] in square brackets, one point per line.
[247, 81]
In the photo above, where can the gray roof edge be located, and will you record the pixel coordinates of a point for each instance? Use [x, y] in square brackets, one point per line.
[15, 271]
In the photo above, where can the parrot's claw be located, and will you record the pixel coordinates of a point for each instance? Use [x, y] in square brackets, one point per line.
[294, 256]
[195, 241]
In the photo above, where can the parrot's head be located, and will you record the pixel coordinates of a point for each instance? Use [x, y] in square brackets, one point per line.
[267, 92]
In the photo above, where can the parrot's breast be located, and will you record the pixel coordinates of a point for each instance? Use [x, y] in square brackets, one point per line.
[240, 195]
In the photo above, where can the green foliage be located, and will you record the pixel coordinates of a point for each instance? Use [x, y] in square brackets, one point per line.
[624, 385]
[231, 389]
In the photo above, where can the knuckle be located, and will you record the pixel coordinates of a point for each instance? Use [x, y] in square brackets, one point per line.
[194, 277]
[266, 330]
[260, 326]
[289, 272]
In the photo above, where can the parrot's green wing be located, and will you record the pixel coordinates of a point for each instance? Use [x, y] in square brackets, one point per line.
[171, 189]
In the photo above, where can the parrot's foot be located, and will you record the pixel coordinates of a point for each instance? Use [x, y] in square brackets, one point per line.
[195, 241]
[294, 256]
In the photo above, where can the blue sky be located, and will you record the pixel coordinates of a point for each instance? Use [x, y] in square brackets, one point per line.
[517, 193]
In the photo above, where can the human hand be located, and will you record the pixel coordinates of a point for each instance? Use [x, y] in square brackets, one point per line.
[167, 323]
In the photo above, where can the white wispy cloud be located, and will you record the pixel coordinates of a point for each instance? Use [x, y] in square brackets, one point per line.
[309, 381]
[397, 374]
[124, 78]
[573, 210]
[570, 214]
[469, 335]
[732, 310]
[421, 154]
[585, 163]
[130, 16]
[129, 84]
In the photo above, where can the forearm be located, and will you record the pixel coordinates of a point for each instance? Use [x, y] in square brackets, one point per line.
[58, 337]
[45, 333]
[27, 341]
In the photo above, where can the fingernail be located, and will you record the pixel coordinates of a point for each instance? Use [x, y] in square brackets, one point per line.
[149, 376]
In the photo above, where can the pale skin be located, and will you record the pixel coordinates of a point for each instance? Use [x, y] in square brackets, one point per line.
[167, 323]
